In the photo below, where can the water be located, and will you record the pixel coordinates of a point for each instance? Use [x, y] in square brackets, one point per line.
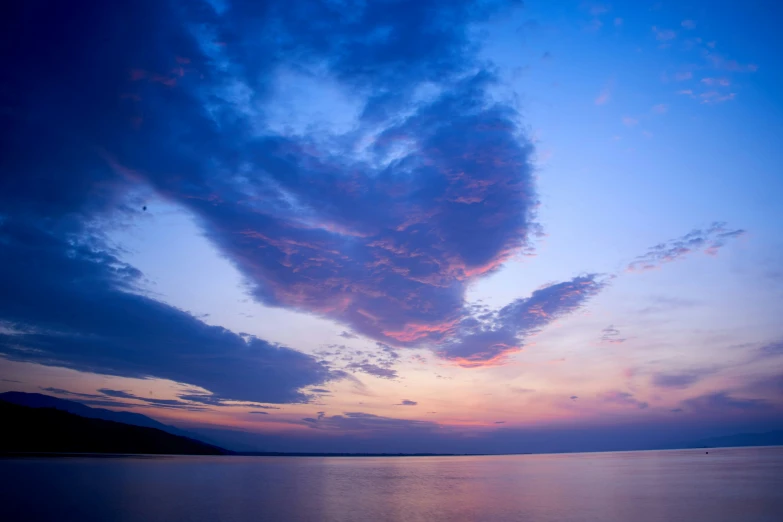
[743, 484]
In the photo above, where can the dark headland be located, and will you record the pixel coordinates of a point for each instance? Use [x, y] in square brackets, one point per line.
[49, 430]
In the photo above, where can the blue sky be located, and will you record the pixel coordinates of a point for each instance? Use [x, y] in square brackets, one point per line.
[398, 224]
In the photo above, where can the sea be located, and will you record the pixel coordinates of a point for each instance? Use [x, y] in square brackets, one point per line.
[711, 485]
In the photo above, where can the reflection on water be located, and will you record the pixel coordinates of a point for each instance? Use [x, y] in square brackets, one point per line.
[744, 484]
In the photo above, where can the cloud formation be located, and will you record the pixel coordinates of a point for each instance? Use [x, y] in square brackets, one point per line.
[723, 402]
[709, 241]
[679, 380]
[367, 422]
[622, 398]
[75, 306]
[485, 337]
[663, 35]
[380, 229]
[611, 335]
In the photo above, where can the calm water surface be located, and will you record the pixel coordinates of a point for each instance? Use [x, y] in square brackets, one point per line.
[744, 484]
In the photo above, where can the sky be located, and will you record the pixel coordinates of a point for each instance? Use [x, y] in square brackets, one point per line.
[397, 226]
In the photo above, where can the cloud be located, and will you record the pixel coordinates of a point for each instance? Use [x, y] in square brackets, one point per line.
[723, 402]
[664, 35]
[772, 349]
[605, 95]
[573, 397]
[709, 241]
[660, 108]
[712, 97]
[60, 391]
[630, 122]
[348, 335]
[390, 252]
[373, 369]
[680, 380]
[163, 403]
[611, 335]
[381, 229]
[485, 337]
[683, 75]
[622, 398]
[379, 362]
[688, 24]
[723, 82]
[259, 412]
[720, 62]
[76, 307]
[367, 422]
[406, 402]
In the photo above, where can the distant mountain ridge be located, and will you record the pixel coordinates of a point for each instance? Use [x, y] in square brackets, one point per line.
[40, 400]
[49, 430]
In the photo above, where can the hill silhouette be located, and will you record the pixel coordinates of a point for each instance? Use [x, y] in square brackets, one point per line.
[40, 400]
[49, 430]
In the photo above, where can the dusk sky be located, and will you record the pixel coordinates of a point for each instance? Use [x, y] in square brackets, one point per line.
[397, 225]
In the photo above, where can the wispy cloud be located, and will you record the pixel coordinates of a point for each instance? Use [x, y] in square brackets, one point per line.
[611, 335]
[720, 62]
[723, 402]
[709, 241]
[680, 380]
[622, 398]
[60, 391]
[663, 35]
[486, 337]
[723, 82]
[606, 93]
[367, 422]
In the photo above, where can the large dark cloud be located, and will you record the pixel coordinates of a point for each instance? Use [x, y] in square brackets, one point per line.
[387, 247]
[381, 229]
[72, 304]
